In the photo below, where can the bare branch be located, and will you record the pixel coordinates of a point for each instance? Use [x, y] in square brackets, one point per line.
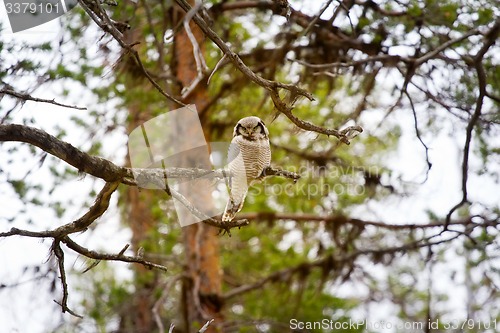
[205, 327]
[272, 86]
[340, 219]
[270, 171]
[59, 253]
[101, 18]
[490, 39]
[316, 17]
[386, 59]
[100, 206]
[417, 133]
[226, 226]
[342, 135]
[115, 175]
[219, 63]
[92, 165]
[108, 256]
[104, 169]
[201, 66]
[28, 97]
[431, 54]
[236, 60]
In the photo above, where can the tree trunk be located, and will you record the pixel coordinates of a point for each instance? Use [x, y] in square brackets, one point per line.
[202, 287]
[138, 213]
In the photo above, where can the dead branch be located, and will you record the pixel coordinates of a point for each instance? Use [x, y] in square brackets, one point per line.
[59, 253]
[107, 170]
[92, 165]
[109, 256]
[97, 210]
[270, 171]
[28, 97]
[61, 235]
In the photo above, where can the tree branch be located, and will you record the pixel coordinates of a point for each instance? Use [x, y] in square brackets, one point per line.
[331, 263]
[59, 253]
[108, 256]
[92, 165]
[341, 219]
[28, 97]
[97, 210]
[490, 39]
[104, 169]
[223, 225]
[272, 86]
[100, 17]
[236, 60]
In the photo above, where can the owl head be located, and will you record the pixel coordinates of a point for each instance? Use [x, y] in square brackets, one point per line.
[251, 128]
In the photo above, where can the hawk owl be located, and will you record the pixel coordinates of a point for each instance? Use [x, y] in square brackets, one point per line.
[249, 154]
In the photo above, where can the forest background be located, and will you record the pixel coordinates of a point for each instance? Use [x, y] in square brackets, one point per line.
[396, 224]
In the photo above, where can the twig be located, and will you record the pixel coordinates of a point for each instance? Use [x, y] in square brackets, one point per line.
[101, 18]
[219, 63]
[156, 307]
[201, 330]
[316, 18]
[205, 327]
[102, 168]
[236, 60]
[59, 253]
[108, 256]
[226, 226]
[270, 171]
[28, 97]
[201, 66]
[100, 206]
[417, 133]
[341, 135]
[385, 59]
[340, 219]
[491, 38]
[114, 174]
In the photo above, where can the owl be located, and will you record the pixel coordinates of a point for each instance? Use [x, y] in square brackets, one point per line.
[249, 154]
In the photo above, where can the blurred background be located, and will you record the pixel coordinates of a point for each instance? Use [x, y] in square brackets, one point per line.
[360, 238]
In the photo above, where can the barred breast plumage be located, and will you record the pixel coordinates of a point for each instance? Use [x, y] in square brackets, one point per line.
[249, 154]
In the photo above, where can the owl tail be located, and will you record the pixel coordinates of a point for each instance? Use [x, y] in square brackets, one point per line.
[232, 208]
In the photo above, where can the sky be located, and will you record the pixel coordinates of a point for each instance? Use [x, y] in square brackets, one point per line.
[439, 193]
